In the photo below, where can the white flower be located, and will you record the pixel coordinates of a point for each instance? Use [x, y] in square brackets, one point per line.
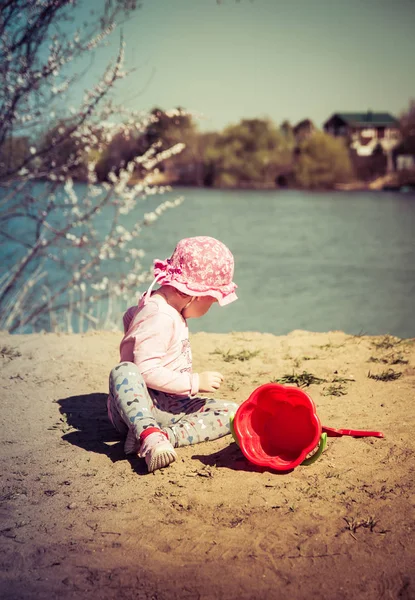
[149, 218]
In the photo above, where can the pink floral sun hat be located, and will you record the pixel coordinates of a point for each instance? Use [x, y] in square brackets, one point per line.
[199, 266]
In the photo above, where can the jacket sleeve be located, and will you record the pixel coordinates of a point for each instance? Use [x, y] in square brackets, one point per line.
[151, 342]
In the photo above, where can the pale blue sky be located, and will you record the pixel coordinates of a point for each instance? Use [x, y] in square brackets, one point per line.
[283, 59]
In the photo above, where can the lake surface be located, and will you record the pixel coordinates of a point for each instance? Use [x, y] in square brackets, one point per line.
[313, 261]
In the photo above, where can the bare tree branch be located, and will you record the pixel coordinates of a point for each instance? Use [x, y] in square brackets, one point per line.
[61, 240]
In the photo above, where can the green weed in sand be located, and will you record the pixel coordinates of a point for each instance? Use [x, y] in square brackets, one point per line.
[386, 342]
[335, 390]
[9, 352]
[389, 360]
[242, 356]
[337, 387]
[354, 524]
[389, 375]
[303, 379]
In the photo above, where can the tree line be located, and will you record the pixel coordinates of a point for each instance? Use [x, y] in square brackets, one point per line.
[252, 153]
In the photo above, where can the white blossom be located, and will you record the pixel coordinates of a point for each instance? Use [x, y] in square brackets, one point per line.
[78, 225]
[149, 218]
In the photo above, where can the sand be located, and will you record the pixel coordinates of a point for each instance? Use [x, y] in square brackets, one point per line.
[80, 520]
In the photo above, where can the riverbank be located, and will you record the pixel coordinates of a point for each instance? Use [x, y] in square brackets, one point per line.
[79, 520]
[390, 182]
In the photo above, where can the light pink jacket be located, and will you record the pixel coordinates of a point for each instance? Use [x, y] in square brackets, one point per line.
[157, 340]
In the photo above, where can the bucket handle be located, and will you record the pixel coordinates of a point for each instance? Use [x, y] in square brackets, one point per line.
[321, 447]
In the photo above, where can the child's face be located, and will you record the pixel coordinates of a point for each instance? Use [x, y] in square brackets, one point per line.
[198, 307]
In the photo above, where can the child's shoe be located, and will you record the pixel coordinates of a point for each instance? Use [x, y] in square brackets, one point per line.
[131, 444]
[156, 449]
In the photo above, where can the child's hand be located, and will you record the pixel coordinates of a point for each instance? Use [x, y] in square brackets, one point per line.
[209, 381]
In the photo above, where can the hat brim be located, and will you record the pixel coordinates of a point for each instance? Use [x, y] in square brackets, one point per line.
[223, 298]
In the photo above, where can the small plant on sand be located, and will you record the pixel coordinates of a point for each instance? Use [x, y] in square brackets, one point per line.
[361, 334]
[398, 360]
[303, 379]
[387, 341]
[330, 345]
[389, 375]
[296, 361]
[335, 389]
[374, 359]
[392, 359]
[338, 379]
[9, 352]
[241, 374]
[242, 356]
[353, 524]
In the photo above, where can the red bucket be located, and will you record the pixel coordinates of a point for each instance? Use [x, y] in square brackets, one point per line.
[277, 426]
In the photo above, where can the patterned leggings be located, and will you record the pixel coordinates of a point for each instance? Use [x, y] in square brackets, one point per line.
[186, 421]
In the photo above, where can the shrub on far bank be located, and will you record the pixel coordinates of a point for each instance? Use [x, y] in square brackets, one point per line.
[321, 162]
[248, 154]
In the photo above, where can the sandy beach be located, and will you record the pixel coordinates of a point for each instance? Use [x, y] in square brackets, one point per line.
[80, 520]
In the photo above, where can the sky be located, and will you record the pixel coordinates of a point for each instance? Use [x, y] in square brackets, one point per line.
[277, 59]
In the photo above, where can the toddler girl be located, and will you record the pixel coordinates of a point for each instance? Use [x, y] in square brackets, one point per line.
[153, 391]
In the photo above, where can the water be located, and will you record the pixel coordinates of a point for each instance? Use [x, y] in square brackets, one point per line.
[313, 261]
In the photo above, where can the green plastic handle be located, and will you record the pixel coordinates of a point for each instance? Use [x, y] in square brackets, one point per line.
[321, 446]
[231, 419]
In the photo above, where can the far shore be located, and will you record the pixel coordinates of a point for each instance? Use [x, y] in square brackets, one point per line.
[388, 182]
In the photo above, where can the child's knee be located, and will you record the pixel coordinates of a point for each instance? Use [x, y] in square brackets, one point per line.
[232, 406]
[227, 407]
[123, 371]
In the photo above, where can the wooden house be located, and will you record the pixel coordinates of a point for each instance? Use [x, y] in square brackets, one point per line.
[365, 132]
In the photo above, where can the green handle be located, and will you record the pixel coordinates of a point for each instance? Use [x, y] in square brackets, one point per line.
[321, 446]
[231, 419]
